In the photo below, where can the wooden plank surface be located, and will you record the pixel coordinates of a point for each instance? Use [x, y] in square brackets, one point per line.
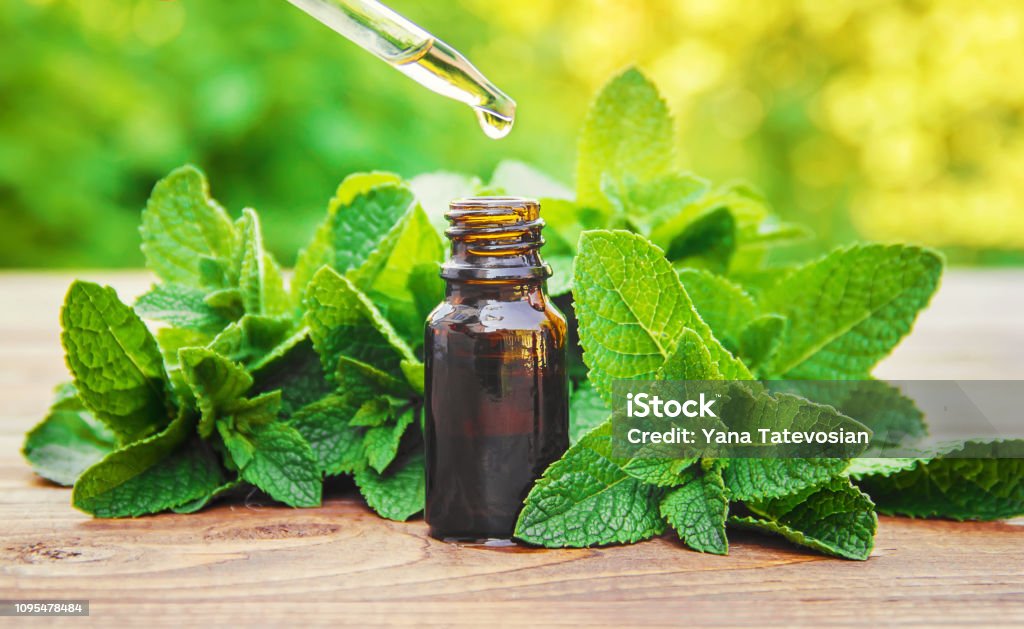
[339, 564]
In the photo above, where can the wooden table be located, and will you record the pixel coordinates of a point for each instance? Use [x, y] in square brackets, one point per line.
[339, 564]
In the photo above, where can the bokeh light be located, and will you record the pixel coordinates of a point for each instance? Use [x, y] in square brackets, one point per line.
[876, 119]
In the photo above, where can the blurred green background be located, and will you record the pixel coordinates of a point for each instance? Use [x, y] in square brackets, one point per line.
[874, 119]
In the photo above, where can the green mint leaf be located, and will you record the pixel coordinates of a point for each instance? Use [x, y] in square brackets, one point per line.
[321, 249]
[586, 411]
[760, 339]
[585, 499]
[426, 287]
[847, 311]
[325, 425]
[381, 442]
[388, 272]
[708, 242]
[204, 501]
[294, 369]
[522, 180]
[761, 478]
[259, 276]
[247, 413]
[276, 458]
[697, 510]
[344, 322]
[564, 221]
[397, 494]
[436, 190]
[835, 519]
[160, 472]
[632, 311]
[358, 377]
[373, 412]
[252, 338]
[893, 418]
[171, 341]
[228, 300]
[415, 374]
[953, 485]
[118, 369]
[560, 282]
[690, 361]
[182, 224]
[722, 304]
[365, 212]
[646, 205]
[216, 382]
[181, 306]
[628, 135]
[758, 479]
[67, 442]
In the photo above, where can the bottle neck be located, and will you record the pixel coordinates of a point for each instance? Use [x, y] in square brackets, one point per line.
[495, 239]
[475, 291]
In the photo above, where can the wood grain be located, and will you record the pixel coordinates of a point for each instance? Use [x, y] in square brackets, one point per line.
[245, 562]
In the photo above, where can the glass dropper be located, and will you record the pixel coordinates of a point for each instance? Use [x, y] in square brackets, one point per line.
[417, 54]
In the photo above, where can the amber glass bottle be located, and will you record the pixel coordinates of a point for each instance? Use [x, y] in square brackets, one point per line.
[496, 391]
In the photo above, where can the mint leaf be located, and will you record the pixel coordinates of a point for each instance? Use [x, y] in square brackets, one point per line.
[181, 306]
[67, 442]
[760, 339]
[325, 425]
[321, 249]
[762, 478]
[835, 519]
[360, 218]
[344, 322]
[182, 224]
[216, 382]
[585, 499]
[847, 311]
[276, 458]
[152, 475]
[373, 412]
[204, 501]
[250, 339]
[632, 311]
[953, 485]
[293, 368]
[690, 361]
[397, 494]
[435, 191]
[628, 136]
[388, 273]
[259, 276]
[757, 479]
[645, 206]
[522, 180]
[586, 411]
[708, 242]
[723, 305]
[893, 418]
[381, 442]
[697, 510]
[118, 369]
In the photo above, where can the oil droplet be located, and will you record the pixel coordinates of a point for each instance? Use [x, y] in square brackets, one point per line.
[440, 68]
[493, 125]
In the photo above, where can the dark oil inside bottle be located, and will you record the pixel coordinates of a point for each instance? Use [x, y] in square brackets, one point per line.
[496, 409]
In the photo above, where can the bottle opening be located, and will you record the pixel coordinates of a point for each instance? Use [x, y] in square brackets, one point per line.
[495, 238]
